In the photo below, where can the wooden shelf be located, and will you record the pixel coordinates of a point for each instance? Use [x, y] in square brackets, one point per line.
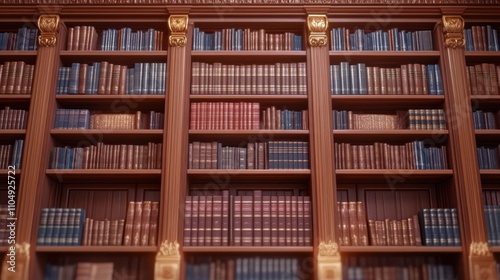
[237, 136]
[482, 56]
[250, 174]
[490, 175]
[247, 249]
[10, 135]
[495, 249]
[396, 135]
[97, 249]
[485, 101]
[119, 57]
[249, 56]
[110, 136]
[400, 249]
[384, 58]
[105, 175]
[5, 172]
[264, 100]
[487, 136]
[124, 102]
[388, 102]
[15, 99]
[392, 175]
[26, 56]
[4, 249]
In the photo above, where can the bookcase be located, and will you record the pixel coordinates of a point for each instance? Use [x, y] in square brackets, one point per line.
[310, 141]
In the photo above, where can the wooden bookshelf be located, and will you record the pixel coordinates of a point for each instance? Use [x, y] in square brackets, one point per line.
[96, 249]
[401, 249]
[244, 249]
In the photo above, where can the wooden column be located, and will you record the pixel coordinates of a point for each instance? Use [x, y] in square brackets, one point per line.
[168, 259]
[321, 150]
[35, 143]
[464, 157]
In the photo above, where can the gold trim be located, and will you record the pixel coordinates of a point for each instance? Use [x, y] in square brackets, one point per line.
[330, 249]
[48, 25]
[178, 27]
[481, 262]
[317, 26]
[168, 261]
[169, 249]
[22, 261]
[453, 29]
[480, 249]
[329, 261]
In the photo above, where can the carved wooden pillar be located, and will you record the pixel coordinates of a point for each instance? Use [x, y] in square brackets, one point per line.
[321, 145]
[168, 259]
[37, 135]
[466, 169]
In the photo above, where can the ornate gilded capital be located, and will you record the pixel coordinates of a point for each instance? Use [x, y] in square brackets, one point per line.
[328, 249]
[317, 26]
[481, 261]
[329, 262]
[480, 249]
[178, 27]
[168, 249]
[48, 25]
[168, 261]
[453, 29]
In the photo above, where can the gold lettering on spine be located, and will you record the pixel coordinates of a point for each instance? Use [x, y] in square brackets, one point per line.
[168, 261]
[48, 28]
[329, 263]
[317, 26]
[453, 28]
[178, 27]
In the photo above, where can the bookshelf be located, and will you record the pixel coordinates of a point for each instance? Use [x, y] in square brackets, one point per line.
[221, 106]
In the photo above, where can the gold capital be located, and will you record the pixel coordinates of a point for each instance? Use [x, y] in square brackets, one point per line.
[481, 262]
[168, 261]
[22, 261]
[178, 27]
[453, 29]
[48, 28]
[329, 262]
[317, 26]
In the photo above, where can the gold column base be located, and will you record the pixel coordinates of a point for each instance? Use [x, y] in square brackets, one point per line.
[167, 267]
[16, 263]
[482, 264]
[329, 268]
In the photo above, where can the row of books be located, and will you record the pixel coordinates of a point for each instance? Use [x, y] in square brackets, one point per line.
[236, 39]
[141, 223]
[439, 227]
[107, 156]
[409, 79]
[13, 118]
[352, 224]
[124, 39]
[481, 38]
[16, 77]
[344, 39]
[488, 157]
[491, 197]
[11, 155]
[273, 118]
[108, 78]
[267, 155]
[4, 230]
[90, 119]
[224, 115]
[60, 227]
[397, 267]
[404, 232]
[262, 268]
[288, 78]
[485, 120]
[492, 218]
[248, 220]
[483, 79]
[24, 40]
[80, 271]
[411, 119]
[103, 232]
[411, 155]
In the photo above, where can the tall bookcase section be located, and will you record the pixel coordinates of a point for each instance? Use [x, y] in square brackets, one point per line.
[248, 204]
[395, 187]
[482, 68]
[103, 168]
[18, 55]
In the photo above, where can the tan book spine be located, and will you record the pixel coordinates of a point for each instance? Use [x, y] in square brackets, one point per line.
[145, 223]
[137, 224]
[129, 224]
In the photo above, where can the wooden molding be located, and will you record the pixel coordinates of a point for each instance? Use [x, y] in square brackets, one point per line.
[48, 30]
[317, 26]
[453, 29]
[329, 262]
[178, 27]
[481, 262]
[168, 261]
[21, 263]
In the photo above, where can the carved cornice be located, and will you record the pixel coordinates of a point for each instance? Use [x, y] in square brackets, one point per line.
[328, 249]
[178, 27]
[479, 249]
[48, 28]
[317, 26]
[247, 2]
[453, 29]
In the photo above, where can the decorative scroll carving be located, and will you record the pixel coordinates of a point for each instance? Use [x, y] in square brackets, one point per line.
[453, 28]
[482, 263]
[317, 26]
[48, 28]
[329, 263]
[480, 249]
[178, 27]
[22, 259]
[329, 248]
[168, 261]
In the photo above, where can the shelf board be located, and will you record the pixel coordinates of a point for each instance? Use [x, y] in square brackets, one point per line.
[250, 174]
[399, 102]
[26, 56]
[115, 175]
[122, 103]
[400, 249]
[384, 58]
[485, 101]
[482, 56]
[495, 249]
[249, 56]
[16, 99]
[113, 56]
[98, 135]
[97, 249]
[247, 135]
[4, 249]
[12, 134]
[392, 175]
[247, 249]
[262, 99]
[400, 135]
[5, 172]
[487, 136]
[490, 175]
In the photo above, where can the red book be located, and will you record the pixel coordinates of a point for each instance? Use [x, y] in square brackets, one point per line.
[295, 222]
[257, 218]
[225, 218]
[274, 220]
[266, 220]
[194, 220]
[307, 221]
[246, 220]
[288, 221]
[201, 220]
[281, 221]
[216, 220]
[208, 220]
[236, 228]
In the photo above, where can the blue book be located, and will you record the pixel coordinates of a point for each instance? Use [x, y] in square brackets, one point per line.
[441, 227]
[63, 228]
[439, 80]
[431, 79]
[78, 222]
[424, 218]
[56, 227]
[456, 228]
[42, 227]
[74, 78]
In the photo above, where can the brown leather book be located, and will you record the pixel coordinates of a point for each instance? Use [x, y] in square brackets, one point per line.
[236, 221]
[274, 220]
[266, 220]
[145, 223]
[216, 229]
[208, 220]
[201, 219]
[194, 220]
[136, 228]
[18, 77]
[247, 220]
[257, 218]
[82, 78]
[225, 218]
[129, 224]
